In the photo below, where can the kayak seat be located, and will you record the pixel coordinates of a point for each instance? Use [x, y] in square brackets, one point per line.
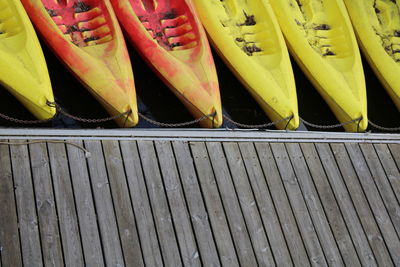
[81, 22]
[9, 24]
[172, 28]
[388, 28]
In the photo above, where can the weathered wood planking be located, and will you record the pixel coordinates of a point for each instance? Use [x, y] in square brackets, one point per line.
[231, 205]
[159, 204]
[122, 204]
[250, 209]
[198, 214]
[46, 205]
[265, 205]
[90, 237]
[10, 250]
[375, 201]
[306, 227]
[180, 216]
[104, 207]
[342, 198]
[283, 208]
[141, 204]
[65, 203]
[312, 200]
[155, 203]
[26, 210]
[330, 206]
[214, 205]
[377, 243]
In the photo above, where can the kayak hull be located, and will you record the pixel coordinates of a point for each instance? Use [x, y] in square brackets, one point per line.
[321, 39]
[247, 36]
[86, 37]
[23, 69]
[169, 37]
[378, 31]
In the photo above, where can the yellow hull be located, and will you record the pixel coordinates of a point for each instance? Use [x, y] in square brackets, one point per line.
[378, 30]
[247, 36]
[23, 70]
[321, 39]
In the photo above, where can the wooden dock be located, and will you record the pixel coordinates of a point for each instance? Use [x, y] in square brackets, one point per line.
[198, 198]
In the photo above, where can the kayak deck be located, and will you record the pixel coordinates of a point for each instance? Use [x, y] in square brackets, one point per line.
[23, 69]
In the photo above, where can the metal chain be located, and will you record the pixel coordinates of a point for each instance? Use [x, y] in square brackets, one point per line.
[383, 128]
[173, 125]
[24, 121]
[330, 126]
[61, 111]
[258, 125]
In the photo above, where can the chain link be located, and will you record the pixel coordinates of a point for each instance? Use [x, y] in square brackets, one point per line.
[174, 125]
[61, 111]
[24, 121]
[330, 126]
[258, 125]
[388, 129]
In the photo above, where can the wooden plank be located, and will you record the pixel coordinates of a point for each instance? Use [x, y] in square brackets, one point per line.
[90, 237]
[122, 204]
[381, 179]
[45, 204]
[360, 203]
[10, 250]
[321, 179]
[395, 150]
[159, 204]
[180, 216]
[231, 205]
[347, 209]
[65, 203]
[214, 206]
[375, 201]
[282, 205]
[391, 170]
[316, 211]
[141, 204]
[298, 204]
[265, 205]
[248, 204]
[25, 199]
[198, 214]
[104, 207]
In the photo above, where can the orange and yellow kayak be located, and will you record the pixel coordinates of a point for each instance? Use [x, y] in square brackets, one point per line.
[85, 35]
[23, 69]
[171, 39]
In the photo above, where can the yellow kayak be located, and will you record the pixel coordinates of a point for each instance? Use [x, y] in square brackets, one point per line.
[377, 25]
[246, 35]
[23, 70]
[321, 39]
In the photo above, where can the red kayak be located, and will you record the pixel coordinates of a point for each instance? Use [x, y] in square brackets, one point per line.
[86, 37]
[172, 41]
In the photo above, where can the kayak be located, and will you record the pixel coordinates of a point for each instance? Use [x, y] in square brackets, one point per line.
[86, 37]
[247, 36]
[23, 69]
[320, 37]
[171, 40]
[377, 25]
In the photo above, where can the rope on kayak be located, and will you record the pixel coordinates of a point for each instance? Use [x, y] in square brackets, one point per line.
[180, 124]
[331, 126]
[61, 111]
[387, 129]
[256, 126]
